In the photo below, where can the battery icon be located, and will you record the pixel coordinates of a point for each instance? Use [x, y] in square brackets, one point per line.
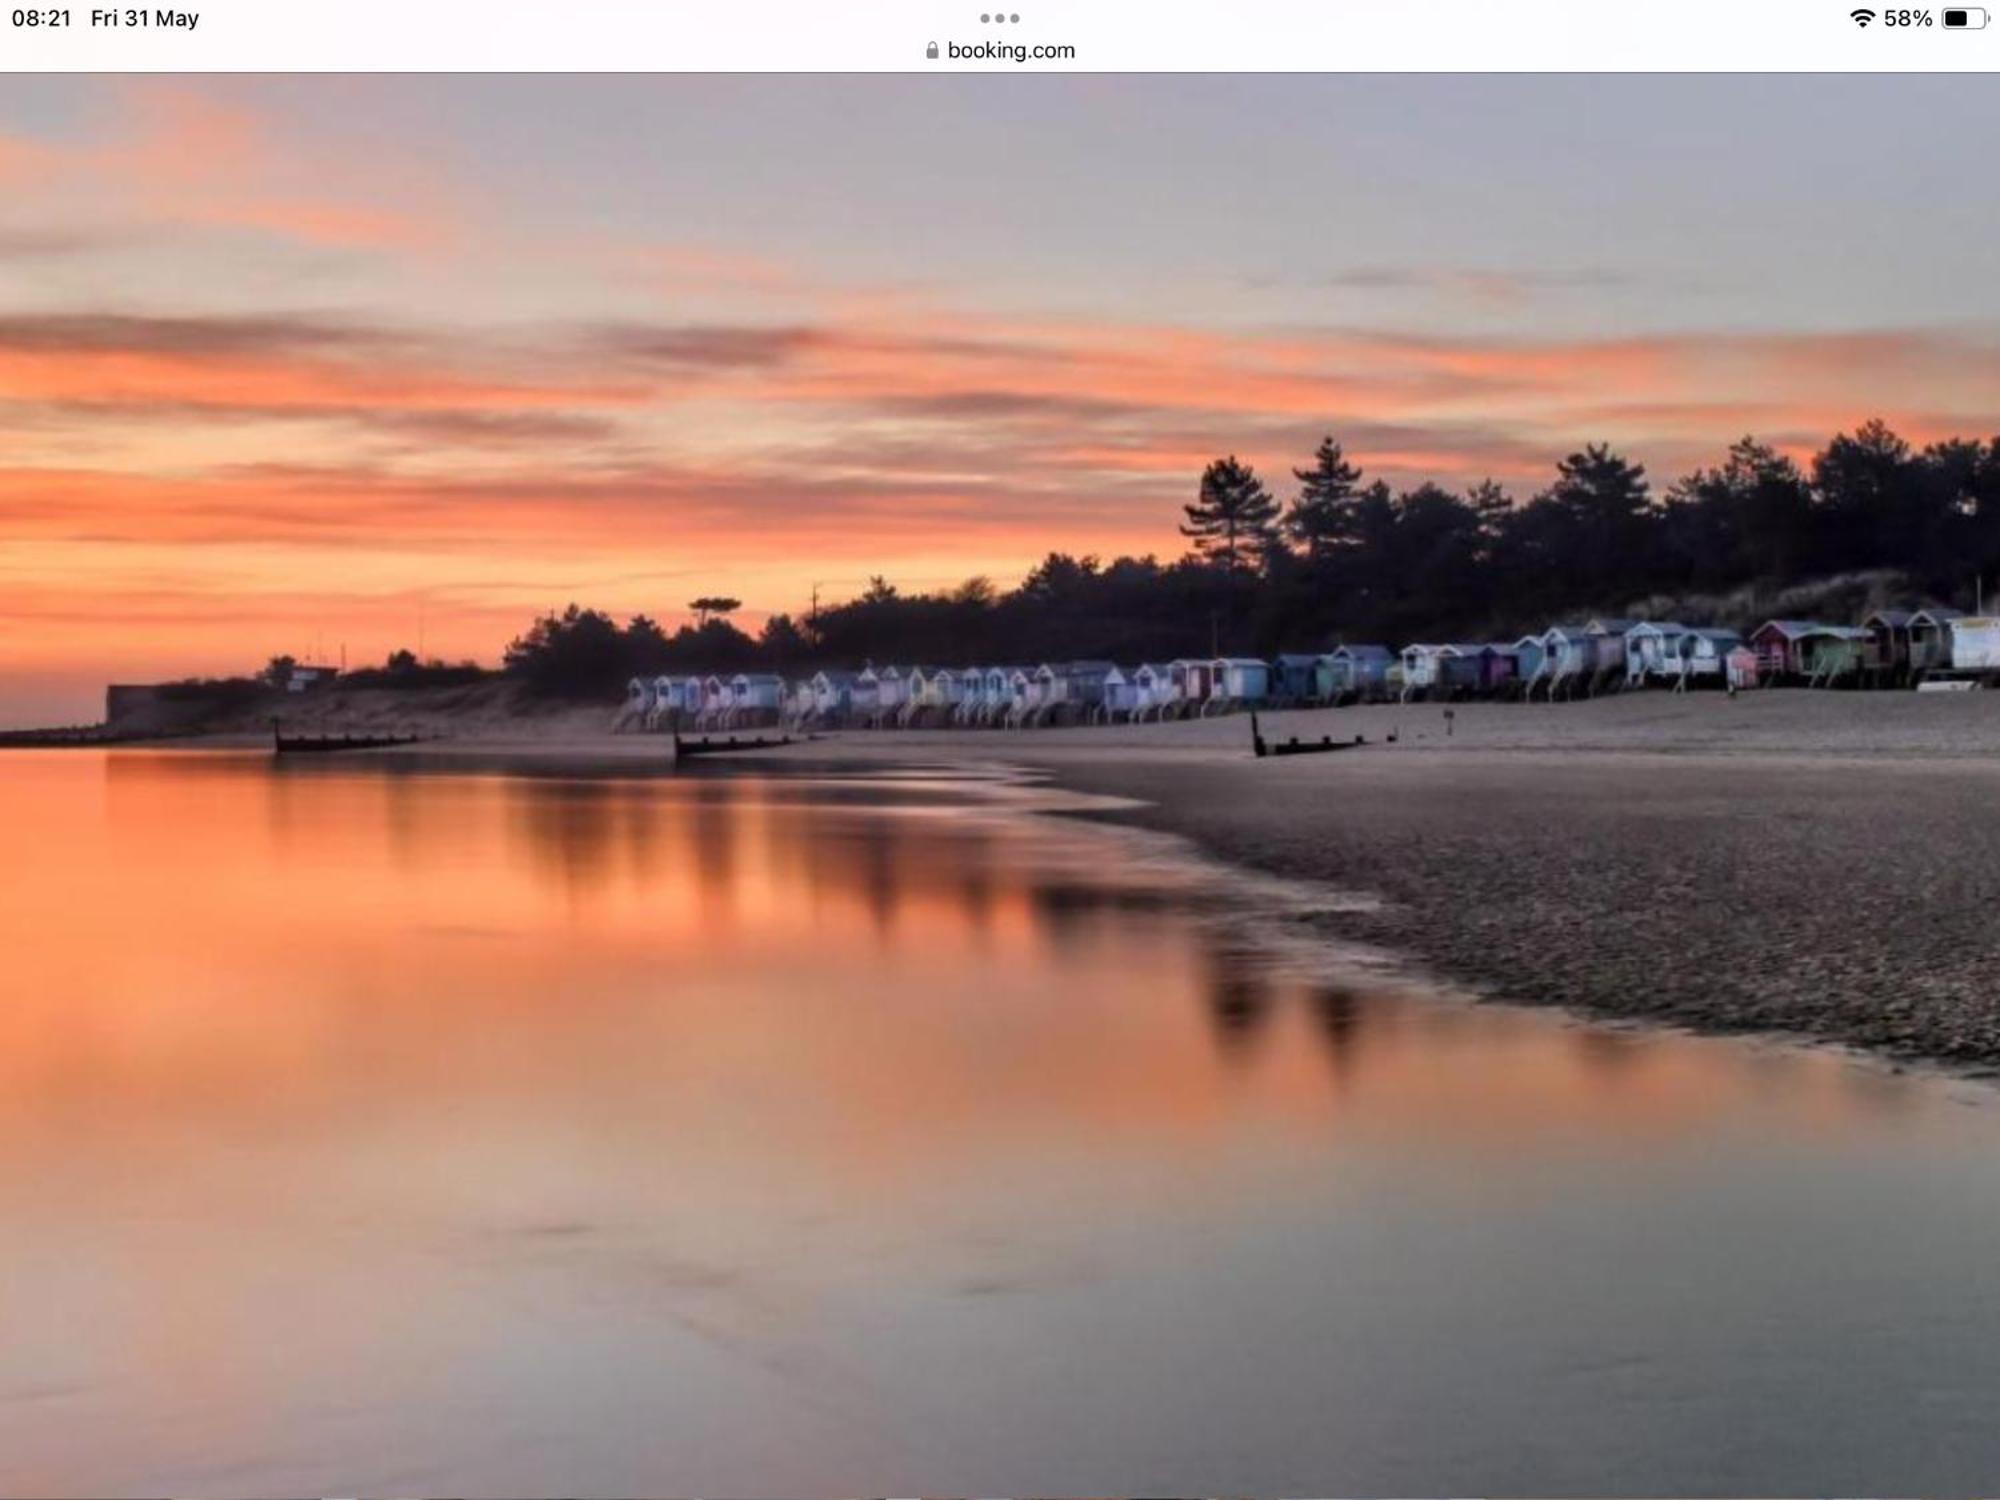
[1964, 18]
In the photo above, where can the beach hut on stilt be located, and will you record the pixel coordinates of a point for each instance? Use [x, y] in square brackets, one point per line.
[833, 698]
[666, 702]
[1420, 673]
[970, 709]
[1458, 670]
[1079, 695]
[798, 702]
[1701, 658]
[1152, 690]
[1568, 661]
[1121, 697]
[866, 697]
[1652, 652]
[1528, 656]
[1931, 640]
[1808, 651]
[892, 692]
[638, 705]
[1885, 655]
[1194, 681]
[996, 695]
[1295, 681]
[933, 693]
[1023, 696]
[1835, 656]
[1607, 653]
[718, 699]
[1240, 682]
[756, 699]
[1358, 673]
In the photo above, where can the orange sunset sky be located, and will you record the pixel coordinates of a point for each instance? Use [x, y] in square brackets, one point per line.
[298, 364]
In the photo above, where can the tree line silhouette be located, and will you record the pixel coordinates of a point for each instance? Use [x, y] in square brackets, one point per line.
[1343, 557]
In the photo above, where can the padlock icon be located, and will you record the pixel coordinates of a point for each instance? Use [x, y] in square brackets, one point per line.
[931, 52]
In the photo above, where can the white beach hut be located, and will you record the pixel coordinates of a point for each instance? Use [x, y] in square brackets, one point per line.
[866, 697]
[1653, 651]
[1024, 695]
[715, 701]
[892, 693]
[1975, 644]
[1121, 696]
[1420, 670]
[755, 698]
[798, 700]
[833, 697]
[666, 702]
[996, 694]
[971, 696]
[638, 706]
[1703, 656]
[1152, 690]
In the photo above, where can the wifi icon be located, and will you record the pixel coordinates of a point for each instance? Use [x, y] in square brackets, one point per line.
[1862, 17]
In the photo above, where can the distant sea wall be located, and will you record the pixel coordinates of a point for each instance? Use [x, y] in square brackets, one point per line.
[164, 708]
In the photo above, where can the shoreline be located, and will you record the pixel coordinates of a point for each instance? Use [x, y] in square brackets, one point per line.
[1818, 866]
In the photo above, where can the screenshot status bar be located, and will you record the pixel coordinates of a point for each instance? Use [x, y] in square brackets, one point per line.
[946, 36]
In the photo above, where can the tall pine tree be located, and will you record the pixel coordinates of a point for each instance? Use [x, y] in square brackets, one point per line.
[1322, 517]
[1233, 521]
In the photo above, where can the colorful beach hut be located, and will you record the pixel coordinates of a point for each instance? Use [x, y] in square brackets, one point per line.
[1568, 657]
[1239, 682]
[1528, 656]
[1780, 646]
[1295, 679]
[1930, 637]
[1194, 680]
[1359, 672]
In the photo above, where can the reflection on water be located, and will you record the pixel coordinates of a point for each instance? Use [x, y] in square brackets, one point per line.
[366, 1131]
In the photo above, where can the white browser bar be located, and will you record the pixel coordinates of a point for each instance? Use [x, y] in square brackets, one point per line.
[895, 36]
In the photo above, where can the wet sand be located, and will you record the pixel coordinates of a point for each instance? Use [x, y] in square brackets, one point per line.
[1812, 863]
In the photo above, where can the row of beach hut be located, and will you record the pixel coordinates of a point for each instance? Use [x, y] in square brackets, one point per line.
[1000, 696]
[1889, 647]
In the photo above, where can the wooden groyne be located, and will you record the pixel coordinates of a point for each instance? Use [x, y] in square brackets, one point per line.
[72, 736]
[1325, 744]
[686, 747]
[327, 744]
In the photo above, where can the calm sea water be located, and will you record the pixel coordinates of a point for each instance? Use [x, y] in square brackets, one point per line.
[433, 1133]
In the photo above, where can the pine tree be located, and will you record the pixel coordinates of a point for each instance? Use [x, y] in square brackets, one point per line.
[1234, 519]
[1322, 517]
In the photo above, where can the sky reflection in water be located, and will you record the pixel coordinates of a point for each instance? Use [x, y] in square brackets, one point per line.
[363, 1131]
